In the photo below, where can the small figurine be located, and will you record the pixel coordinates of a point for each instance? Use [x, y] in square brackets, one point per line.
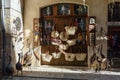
[80, 9]
[48, 11]
[63, 9]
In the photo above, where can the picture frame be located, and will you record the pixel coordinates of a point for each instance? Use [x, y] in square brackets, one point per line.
[92, 20]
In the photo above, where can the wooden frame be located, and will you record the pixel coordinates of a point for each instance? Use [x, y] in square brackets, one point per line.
[60, 22]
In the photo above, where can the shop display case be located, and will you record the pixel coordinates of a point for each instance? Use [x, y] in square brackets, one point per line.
[64, 35]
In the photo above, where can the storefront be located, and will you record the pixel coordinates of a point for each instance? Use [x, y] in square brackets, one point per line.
[57, 33]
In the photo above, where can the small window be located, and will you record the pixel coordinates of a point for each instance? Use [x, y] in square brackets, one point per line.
[114, 11]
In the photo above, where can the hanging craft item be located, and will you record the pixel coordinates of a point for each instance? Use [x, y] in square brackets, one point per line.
[55, 41]
[46, 57]
[69, 57]
[36, 34]
[56, 55]
[79, 37]
[71, 42]
[92, 39]
[64, 36]
[54, 34]
[81, 56]
[63, 46]
[71, 30]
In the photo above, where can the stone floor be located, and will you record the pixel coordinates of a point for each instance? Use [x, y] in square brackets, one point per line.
[65, 73]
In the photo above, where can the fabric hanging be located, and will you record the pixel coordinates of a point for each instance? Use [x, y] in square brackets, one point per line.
[37, 52]
[69, 57]
[56, 55]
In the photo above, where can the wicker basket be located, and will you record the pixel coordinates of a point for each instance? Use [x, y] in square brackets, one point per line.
[81, 56]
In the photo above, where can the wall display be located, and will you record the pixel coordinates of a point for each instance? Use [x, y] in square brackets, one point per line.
[64, 36]
[63, 9]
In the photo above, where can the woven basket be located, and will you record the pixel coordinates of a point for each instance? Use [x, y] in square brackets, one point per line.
[71, 30]
[81, 56]
[63, 46]
[46, 57]
[56, 55]
[69, 56]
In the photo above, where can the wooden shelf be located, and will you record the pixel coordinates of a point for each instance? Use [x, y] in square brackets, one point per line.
[59, 22]
[65, 16]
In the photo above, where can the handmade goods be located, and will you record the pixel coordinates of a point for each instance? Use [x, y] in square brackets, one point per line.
[69, 57]
[64, 36]
[71, 30]
[56, 55]
[80, 56]
[64, 46]
[80, 37]
[71, 42]
[54, 34]
[55, 41]
[46, 57]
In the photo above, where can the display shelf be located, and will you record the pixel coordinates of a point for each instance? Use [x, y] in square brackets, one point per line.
[73, 19]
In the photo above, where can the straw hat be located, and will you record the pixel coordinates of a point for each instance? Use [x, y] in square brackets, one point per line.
[54, 34]
[64, 46]
[64, 36]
